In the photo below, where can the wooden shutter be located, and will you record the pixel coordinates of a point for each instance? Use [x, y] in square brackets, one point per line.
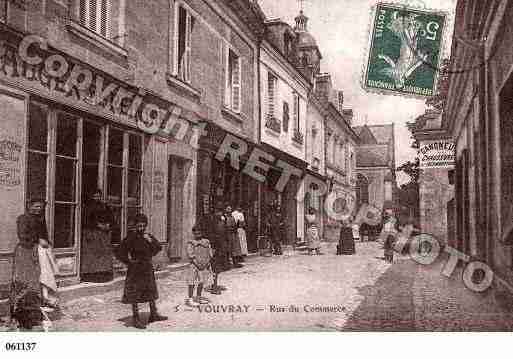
[92, 14]
[270, 93]
[104, 16]
[188, 33]
[236, 83]
[82, 12]
[296, 111]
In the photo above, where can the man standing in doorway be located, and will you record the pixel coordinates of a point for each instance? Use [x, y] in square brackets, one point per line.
[275, 226]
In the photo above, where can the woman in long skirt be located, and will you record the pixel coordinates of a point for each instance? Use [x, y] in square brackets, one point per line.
[25, 295]
[346, 241]
[238, 215]
[96, 260]
[312, 232]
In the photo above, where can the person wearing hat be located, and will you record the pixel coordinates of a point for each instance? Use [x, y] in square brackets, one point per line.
[346, 241]
[275, 227]
[26, 299]
[136, 252]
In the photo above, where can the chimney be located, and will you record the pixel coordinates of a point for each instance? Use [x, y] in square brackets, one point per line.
[323, 87]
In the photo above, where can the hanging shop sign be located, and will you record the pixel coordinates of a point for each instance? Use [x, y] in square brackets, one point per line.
[434, 154]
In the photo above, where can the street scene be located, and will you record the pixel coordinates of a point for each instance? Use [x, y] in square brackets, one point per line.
[256, 165]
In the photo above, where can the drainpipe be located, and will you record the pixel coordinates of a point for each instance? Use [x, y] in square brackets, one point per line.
[259, 129]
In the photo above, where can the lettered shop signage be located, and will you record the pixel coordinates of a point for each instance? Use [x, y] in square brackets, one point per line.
[30, 61]
[434, 154]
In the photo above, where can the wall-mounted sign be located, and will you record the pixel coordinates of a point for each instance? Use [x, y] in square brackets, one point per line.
[433, 154]
[10, 171]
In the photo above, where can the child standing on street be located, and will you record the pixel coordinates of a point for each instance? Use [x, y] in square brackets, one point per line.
[136, 252]
[200, 255]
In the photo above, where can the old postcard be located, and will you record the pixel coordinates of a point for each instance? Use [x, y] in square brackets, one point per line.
[244, 166]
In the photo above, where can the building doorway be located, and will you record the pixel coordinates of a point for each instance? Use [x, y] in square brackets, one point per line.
[176, 188]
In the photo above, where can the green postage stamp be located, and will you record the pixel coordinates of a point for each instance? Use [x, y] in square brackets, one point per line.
[405, 51]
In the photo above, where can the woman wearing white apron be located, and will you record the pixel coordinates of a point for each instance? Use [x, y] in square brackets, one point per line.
[241, 232]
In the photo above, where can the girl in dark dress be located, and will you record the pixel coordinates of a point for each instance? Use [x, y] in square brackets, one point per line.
[136, 252]
[96, 257]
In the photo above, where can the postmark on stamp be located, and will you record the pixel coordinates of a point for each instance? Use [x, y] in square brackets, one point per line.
[405, 50]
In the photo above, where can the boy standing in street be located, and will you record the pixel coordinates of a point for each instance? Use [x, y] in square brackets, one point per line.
[200, 255]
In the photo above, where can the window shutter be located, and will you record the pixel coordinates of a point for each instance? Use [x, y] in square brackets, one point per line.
[83, 12]
[92, 14]
[188, 33]
[104, 18]
[270, 93]
[227, 74]
[236, 84]
[296, 112]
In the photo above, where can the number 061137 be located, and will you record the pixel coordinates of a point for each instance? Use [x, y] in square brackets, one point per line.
[23, 346]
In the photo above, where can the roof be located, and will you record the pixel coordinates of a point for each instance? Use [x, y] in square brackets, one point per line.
[372, 156]
[381, 133]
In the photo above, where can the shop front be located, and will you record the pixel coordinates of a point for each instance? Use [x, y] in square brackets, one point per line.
[69, 130]
[219, 184]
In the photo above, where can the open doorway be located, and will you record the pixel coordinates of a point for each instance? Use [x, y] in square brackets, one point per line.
[176, 187]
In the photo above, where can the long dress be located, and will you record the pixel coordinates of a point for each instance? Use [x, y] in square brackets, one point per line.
[346, 241]
[96, 257]
[312, 232]
[233, 240]
[48, 271]
[136, 252]
[241, 231]
[25, 295]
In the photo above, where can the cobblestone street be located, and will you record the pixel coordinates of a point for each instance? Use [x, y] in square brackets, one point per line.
[362, 292]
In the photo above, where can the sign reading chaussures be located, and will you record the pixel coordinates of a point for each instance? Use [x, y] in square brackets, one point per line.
[404, 51]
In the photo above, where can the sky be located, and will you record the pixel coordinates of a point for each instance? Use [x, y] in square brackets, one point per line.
[342, 30]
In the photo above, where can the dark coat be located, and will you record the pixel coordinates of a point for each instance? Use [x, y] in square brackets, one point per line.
[25, 296]
[136, 252]
[97, 213]
[346, 241]
[275, 226]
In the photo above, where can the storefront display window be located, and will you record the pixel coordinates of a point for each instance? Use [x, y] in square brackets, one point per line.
[110, 158]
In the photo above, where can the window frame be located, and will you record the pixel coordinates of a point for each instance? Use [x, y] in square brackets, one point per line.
[190, 18]
[229, 80]
[86, 21]
[52, 112]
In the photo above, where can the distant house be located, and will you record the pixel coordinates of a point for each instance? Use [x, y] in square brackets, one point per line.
[375, 165]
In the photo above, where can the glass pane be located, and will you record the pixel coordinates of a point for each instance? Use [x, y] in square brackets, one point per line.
[116, 226]
[36, 174]
[64, 229]
[64, 180]
[115, 147]
[66, 135]
[134, 188]
[135, 152]
[89, 181]
[131, 213]
[38, 128]
[92, 142]
[114, 184]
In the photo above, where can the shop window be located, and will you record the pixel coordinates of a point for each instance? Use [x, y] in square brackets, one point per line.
[233, 81]
[94, 15]
[184, 24]
[110, 159]
[37, 151]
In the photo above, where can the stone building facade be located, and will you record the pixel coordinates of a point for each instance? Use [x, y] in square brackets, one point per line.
[110, 94]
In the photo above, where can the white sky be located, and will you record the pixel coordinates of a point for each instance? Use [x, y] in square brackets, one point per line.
[341, 28]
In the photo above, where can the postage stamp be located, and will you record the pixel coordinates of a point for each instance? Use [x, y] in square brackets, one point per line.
[405, 50]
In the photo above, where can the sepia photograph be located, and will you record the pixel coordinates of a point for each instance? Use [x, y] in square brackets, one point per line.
[243, 166]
